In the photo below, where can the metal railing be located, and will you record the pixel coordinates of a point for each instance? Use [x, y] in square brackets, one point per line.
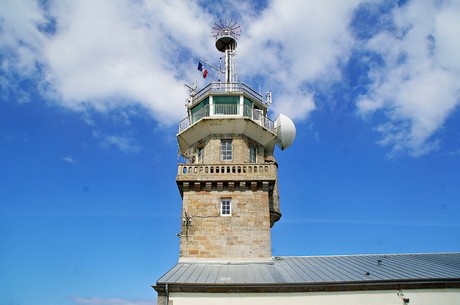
[227, 110]
[219, 87]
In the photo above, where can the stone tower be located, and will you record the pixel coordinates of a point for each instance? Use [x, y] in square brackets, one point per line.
[228, 179]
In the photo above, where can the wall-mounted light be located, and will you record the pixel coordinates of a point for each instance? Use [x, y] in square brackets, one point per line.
[403, 298]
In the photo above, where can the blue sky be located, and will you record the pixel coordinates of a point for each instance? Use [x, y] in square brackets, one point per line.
[91, 93]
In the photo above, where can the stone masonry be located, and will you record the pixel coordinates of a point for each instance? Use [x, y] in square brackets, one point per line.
[251, 187]
[245, 234]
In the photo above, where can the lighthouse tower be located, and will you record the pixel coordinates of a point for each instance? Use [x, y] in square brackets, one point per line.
[228, 178]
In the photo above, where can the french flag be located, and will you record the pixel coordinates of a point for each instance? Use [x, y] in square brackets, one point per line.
[200, 68]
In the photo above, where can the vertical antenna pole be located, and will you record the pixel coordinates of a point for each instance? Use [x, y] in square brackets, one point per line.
[225, 33]
[227, 66]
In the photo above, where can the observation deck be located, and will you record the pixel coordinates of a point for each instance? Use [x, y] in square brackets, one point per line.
[227, 88]
[224, 107]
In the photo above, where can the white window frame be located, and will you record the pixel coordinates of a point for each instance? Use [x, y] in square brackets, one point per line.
[252, 154]
[226, 153]
[226, 207]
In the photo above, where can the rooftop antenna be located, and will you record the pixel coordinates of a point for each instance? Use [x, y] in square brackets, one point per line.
[191, 88]
[226, 32]
[191, 91]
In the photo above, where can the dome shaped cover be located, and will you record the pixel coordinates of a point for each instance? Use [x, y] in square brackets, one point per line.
[285, 131]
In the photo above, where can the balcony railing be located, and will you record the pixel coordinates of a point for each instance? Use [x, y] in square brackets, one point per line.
[219, 87]
[227, 110]
[262, 169]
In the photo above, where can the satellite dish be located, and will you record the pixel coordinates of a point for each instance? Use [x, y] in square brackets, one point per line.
[285, 131]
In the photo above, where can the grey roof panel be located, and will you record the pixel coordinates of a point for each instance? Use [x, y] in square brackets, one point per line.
[275, 274]
[255, 269]
[320, 269]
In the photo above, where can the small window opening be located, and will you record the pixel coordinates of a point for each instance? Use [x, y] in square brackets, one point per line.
[226, 150]
[252, 154]
[226, 207]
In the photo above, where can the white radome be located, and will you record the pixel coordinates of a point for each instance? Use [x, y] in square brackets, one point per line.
[285, 131]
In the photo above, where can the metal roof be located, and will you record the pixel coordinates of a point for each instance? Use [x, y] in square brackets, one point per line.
[294, 270]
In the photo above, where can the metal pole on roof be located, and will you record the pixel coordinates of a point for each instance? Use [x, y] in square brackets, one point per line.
[225, 33]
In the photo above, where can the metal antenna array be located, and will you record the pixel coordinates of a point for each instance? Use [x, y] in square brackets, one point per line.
[226, 32]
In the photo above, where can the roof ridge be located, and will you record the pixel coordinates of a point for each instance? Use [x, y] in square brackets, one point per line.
[277, 257]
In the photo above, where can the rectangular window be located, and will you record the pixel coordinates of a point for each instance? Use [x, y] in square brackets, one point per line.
[226, 207]
[226, 150]
[252, 154]
[201, 110]
[199, 155]
[226, 105]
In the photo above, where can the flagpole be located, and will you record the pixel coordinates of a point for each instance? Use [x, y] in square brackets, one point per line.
[214, 67]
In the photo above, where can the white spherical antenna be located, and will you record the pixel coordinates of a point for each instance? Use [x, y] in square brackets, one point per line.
[285, 131]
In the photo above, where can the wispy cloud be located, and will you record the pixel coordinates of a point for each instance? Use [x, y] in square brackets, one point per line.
[109, 301]
[418, 83]
[125, 144]
[296, 46]
[69, 159]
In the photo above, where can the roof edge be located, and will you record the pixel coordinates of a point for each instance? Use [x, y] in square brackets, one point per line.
[309, 287]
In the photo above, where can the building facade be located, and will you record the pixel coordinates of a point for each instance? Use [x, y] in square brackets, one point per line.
[228, 177]
[420, 279]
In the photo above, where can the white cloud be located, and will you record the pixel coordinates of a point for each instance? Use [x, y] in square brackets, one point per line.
[107, 54]
[419, 84]
[69, 159]
[296, 104]
[20, 38]
[111, 54]
[116, 53]
[296, 45]
[109, 301]
[125, 144]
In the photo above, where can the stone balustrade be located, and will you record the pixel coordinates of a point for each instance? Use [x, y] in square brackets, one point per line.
[207, 170]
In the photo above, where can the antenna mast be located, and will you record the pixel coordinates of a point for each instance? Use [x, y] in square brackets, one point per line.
[226, 32]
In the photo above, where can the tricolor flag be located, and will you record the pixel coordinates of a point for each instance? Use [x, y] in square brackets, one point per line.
[200, 68]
